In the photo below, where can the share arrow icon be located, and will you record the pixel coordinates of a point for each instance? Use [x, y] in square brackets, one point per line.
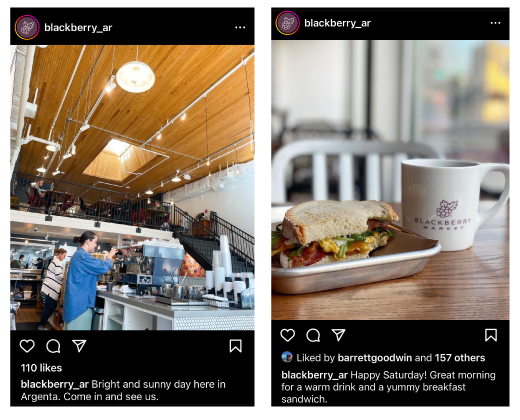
[339, 333]
[80, 343]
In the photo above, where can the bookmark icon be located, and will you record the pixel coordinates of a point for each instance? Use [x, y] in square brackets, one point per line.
[339, 333]
[79, 344]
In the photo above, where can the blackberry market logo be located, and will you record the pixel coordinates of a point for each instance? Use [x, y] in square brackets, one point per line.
[27, 27]
[287, 23]
[446, 208]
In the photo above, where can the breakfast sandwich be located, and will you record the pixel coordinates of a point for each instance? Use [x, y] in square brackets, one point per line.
[324, 232]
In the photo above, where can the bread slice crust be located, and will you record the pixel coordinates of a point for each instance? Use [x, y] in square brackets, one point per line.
[316, 220]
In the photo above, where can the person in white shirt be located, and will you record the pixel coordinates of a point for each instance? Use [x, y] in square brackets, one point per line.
[51, 287]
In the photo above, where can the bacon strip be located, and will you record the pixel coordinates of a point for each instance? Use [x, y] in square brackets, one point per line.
[308, 253]
[373, 223]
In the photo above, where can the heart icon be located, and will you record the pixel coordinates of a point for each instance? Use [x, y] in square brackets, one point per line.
[27, 345]
[287, 334]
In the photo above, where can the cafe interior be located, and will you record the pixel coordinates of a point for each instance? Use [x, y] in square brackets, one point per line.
[367, 106]
[152, 148]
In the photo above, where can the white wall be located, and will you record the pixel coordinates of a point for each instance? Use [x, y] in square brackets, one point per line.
[310, 79]
[234, 203]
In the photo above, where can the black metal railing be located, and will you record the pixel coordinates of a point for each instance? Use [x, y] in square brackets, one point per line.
[240, 242]
[205, 240]
[61, 198]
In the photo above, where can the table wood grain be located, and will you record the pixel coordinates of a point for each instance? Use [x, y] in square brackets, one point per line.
[469, 284]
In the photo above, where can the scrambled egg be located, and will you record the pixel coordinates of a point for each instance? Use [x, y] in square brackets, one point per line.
[330, 245]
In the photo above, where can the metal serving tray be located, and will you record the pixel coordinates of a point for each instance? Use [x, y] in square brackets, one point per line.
[293, 281]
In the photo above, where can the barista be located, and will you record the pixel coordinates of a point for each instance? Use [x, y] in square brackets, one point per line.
[80, 289]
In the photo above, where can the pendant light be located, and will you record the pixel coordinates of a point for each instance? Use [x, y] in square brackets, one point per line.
[41, 169]
[207, 140]
[111, 84]
[236, 156]
[51, 147]
[149, 192]
[176, 178]
[135, 76]
[249, 101]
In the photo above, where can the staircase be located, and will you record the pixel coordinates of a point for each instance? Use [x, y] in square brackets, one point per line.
[200, 241]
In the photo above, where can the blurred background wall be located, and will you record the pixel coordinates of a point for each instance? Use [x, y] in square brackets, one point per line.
[451, 95]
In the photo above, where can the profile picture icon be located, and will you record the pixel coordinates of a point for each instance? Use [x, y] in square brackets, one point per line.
[27, 27]
[287, 22]
[287, 356]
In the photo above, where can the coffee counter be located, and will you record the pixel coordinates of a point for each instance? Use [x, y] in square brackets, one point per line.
[128, 312]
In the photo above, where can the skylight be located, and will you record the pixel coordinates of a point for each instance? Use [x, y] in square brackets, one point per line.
[117, 147]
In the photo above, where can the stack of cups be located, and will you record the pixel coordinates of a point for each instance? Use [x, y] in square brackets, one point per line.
[227, 287]
[225, 255]
[216, 260]
[220, 278]
[238, 287]
[210, 283]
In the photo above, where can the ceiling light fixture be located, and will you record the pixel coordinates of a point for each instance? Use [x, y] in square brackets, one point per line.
[68, 155]
[46, 157]
[187, 177]
[56, 173]
[84, 127]
[183, 117]
[148, 201]
[149, 192]
[110, 87]
[162, 184]
[159, 136]
[41, 169]
[176, 178]
[73, 151]
[51, 147]
[135, 76]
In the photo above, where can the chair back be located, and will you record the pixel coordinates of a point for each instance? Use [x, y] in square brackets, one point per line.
[372, 151]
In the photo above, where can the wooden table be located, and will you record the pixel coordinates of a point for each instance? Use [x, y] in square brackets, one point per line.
[469, 284]
[58, 196]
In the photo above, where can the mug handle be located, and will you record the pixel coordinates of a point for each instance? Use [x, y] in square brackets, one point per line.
[484, 169]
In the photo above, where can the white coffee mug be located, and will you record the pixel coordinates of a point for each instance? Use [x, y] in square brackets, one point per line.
[440, 199]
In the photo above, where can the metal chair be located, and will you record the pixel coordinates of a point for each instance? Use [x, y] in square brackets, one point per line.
[346, 150]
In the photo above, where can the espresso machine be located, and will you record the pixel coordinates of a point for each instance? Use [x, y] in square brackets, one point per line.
[148, 266]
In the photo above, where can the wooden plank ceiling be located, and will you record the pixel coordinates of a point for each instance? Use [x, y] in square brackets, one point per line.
[183, 73]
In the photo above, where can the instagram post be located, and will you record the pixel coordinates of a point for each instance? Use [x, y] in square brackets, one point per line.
[132, 247]
[390, 207]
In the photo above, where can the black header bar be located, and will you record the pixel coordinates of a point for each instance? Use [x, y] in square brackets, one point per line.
[126, 26]
[390, 23]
